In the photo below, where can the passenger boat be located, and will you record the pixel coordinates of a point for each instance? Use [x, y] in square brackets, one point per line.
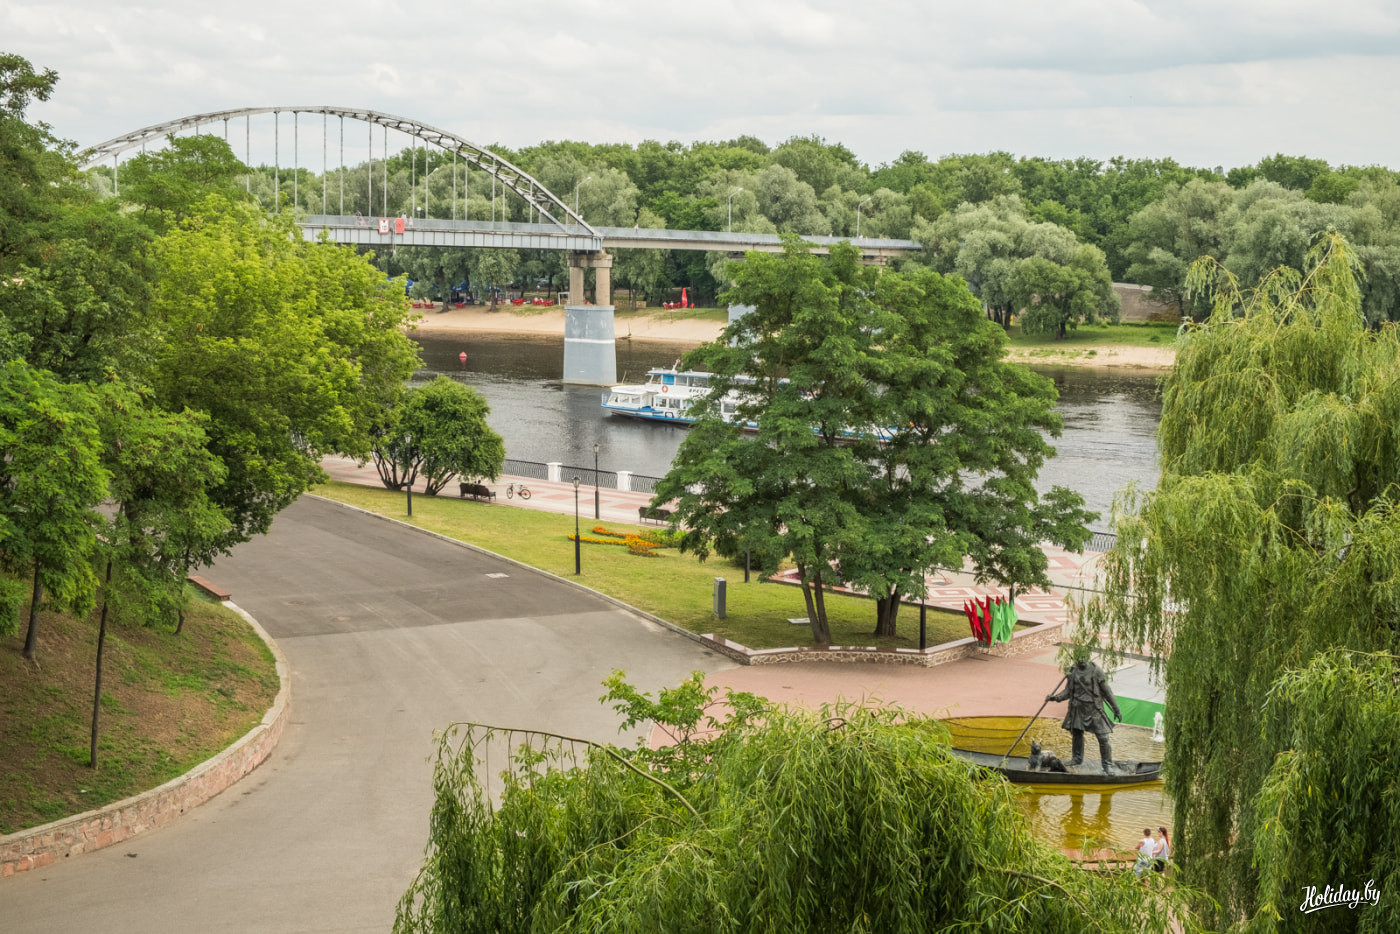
[665, 396]
[668, 393]
[1016, 769]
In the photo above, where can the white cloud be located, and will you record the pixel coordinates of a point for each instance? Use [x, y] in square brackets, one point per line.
[1207, 83]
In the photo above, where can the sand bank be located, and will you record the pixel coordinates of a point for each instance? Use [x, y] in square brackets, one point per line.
[662, 327]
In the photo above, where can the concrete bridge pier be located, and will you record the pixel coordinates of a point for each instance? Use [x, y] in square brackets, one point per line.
[601, 263]
[590, 344]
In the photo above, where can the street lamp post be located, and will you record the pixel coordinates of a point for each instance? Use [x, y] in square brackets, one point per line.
[578, 558]
[597, 508]
[576, 188]
[731, 208]
[858, 207]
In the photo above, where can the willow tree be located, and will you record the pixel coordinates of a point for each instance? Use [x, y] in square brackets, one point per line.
[1272, 536]
[846, 819]
[1327, 815]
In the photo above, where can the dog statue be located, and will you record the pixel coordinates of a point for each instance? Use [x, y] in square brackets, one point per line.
[1044, 760]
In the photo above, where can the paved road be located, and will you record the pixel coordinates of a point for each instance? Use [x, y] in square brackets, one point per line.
[390, 634]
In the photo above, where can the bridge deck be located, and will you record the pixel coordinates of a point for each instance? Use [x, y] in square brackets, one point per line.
[512, 235]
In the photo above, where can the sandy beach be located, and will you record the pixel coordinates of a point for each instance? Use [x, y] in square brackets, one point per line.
[662, 327]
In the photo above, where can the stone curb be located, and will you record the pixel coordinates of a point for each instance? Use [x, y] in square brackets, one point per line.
[1038, 635]
[41, 846]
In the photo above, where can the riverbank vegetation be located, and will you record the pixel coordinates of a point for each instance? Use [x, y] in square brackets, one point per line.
[678, 588]
[172, 702]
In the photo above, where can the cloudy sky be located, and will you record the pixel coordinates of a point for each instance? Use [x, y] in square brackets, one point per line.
[1207, 82]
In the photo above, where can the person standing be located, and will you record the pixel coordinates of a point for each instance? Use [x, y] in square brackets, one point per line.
[1146, 849]
[1163, 851]
[1087, 691]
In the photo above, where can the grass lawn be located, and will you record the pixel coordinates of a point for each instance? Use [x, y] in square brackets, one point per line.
[676, 587]
[1087, 339]
[168, 703]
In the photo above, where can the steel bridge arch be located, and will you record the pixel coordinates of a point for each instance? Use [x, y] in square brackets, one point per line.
[510, 175]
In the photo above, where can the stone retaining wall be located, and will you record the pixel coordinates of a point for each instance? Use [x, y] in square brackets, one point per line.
[42, 846]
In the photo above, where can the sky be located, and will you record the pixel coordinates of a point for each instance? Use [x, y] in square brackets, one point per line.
[1206, 82]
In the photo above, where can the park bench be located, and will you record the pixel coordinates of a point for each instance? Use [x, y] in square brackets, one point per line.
[475, 491]
[210, 588]
[653, 514]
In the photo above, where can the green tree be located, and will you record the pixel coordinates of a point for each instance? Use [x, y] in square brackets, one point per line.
[958, 411]
[1163, 239]
[1267, 541]
[160, 518]
[1318, 818]
[874, 398]
[435, 268]
[1056, 296]
[51, 482]
[438, 431]
[291, 348]
[777, 820]
[170, 184]
[1014, 266]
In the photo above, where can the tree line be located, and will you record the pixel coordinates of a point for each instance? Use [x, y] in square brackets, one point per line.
[1147, 220]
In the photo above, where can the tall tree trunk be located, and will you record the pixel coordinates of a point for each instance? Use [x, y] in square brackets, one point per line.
[31, 638]
[886, 613]
[821, 629]
[97, 679]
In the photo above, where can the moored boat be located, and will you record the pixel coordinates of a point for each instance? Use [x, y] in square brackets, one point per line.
[665, 396]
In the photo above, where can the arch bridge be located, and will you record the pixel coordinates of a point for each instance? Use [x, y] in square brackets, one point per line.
[554, 226]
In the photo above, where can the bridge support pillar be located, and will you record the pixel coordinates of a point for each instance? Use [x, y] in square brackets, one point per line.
[590, 345]
[601, 264]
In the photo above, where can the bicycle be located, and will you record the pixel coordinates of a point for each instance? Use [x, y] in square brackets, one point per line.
[523, 490]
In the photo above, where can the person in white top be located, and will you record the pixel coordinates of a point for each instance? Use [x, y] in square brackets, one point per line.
[1146, 849]
[1163, 851]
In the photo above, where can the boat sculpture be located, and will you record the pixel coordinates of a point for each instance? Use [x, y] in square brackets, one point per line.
[1017, 769]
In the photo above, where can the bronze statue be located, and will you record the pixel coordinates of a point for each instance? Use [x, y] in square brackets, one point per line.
[1087, 691]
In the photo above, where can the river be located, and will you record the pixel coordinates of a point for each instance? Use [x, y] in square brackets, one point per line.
[1110, 417]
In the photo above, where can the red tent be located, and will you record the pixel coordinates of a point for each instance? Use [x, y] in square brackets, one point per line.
[683, 304]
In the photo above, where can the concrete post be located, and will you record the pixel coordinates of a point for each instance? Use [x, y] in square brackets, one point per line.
[590, 346]
[624, 481]
[575, 282]
[602, 279]
[554, 472]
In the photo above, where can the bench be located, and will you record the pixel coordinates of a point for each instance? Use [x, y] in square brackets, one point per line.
[475, 491]
[652, 513]
[210, 588]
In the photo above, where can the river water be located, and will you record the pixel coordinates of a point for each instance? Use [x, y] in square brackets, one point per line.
[1110, 418]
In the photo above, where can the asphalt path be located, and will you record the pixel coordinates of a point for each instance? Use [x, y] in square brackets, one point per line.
[391, 635]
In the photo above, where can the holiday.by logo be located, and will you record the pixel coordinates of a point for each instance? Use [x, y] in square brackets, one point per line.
[1313, 900]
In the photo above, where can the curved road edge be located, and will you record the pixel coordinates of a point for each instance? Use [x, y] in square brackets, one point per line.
[44, 845]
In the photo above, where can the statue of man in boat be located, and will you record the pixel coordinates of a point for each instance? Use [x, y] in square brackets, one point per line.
[1087, 691]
